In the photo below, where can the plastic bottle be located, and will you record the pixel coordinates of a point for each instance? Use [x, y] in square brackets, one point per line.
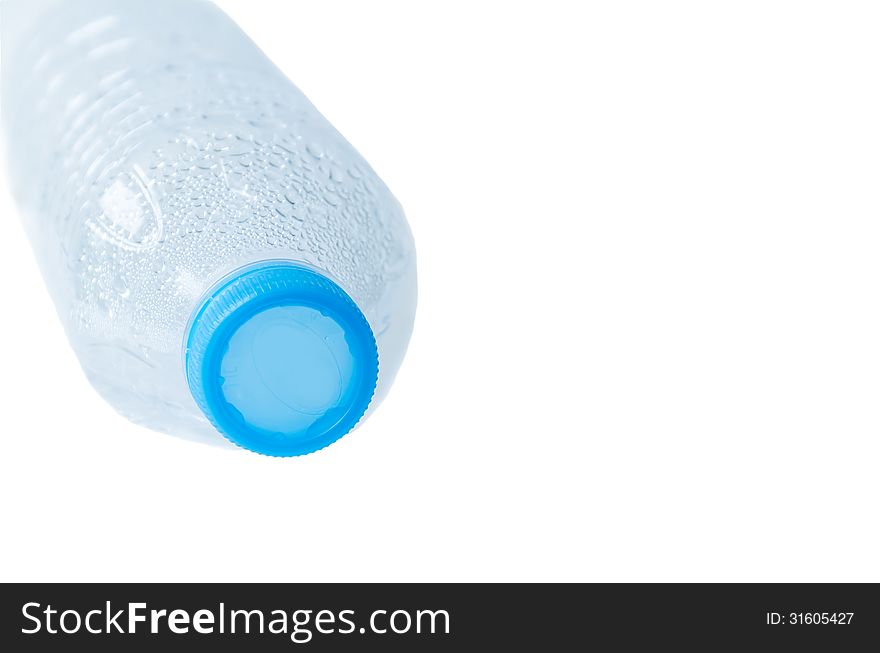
[221, 258]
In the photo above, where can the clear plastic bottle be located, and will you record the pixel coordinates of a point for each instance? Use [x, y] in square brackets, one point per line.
[221, 258]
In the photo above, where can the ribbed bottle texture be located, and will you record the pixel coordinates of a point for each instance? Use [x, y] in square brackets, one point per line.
[153, 150]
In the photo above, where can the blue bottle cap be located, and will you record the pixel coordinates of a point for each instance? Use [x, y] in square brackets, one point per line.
[281, 360]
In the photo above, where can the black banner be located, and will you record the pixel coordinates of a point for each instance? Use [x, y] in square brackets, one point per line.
[429, 617]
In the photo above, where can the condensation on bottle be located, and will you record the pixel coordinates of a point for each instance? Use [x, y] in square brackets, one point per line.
[222, 259]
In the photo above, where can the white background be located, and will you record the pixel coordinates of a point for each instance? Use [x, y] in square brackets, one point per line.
[648, 338]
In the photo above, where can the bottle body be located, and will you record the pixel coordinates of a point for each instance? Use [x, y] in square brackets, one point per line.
[154, 151]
